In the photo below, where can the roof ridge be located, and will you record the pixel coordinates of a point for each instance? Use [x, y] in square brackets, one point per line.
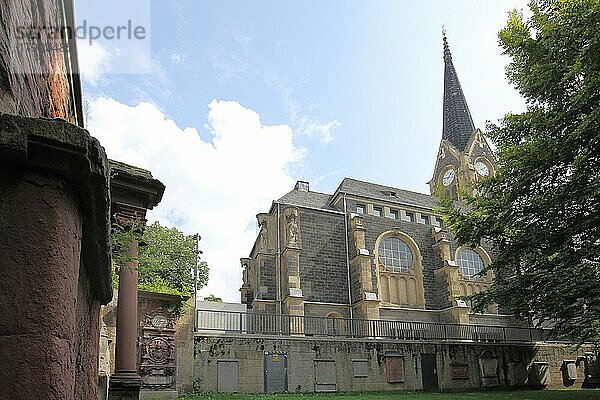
[392, 187]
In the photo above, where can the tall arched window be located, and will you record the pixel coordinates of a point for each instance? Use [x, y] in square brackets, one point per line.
[470, 263]
[395, 255]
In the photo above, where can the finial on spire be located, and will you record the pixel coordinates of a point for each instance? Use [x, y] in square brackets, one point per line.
[447, 55]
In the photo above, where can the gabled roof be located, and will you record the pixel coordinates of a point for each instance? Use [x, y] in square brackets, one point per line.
[386, 193]
[303, 198]
[458, 124]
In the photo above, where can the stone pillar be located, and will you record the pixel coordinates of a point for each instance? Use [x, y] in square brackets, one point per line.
[133, 191]
[293, 299]
[448, 280]
[367, 306]
[125, 383]
[55, 264]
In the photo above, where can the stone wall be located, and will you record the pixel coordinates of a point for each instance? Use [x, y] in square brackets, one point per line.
[421, 234]
[459, 365]
[54, 219]
[35, 77]
[323, 266]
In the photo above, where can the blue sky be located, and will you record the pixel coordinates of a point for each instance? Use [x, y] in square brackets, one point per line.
[322, 89]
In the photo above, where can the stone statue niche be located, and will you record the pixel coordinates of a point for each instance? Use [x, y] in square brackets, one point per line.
[264, 234]
[292, 230]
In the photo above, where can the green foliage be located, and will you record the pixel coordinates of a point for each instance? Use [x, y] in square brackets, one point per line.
[166, 258]
[212, 297]
[542, 209]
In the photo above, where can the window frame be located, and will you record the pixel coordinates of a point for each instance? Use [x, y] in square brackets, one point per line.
[466, 269]
[398, 264]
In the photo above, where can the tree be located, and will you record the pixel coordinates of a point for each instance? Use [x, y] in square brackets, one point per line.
[166, 258]
[542, 208]
[212, 297]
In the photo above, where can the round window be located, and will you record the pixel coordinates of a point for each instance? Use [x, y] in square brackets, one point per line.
[395, 255]
[470, 264]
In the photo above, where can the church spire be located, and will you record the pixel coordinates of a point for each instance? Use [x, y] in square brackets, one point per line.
[458, 124]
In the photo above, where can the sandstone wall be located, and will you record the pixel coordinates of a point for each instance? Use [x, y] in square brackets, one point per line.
[458, 364]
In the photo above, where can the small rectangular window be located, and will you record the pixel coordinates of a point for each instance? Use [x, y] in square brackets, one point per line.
[439, 222]
[325, 376]
[393, 214]
[377, 211]
[360, 208]
[410, 217]
[360, 368]
[395, 369]
[424, 219]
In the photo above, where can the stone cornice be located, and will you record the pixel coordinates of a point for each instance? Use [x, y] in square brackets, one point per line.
[58, 147]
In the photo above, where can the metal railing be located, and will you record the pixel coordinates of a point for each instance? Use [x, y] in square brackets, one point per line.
[292, 325]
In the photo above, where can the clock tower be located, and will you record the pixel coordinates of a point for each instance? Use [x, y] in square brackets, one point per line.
[464, 154]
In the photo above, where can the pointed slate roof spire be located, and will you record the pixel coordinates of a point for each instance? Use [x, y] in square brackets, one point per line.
[458, 124]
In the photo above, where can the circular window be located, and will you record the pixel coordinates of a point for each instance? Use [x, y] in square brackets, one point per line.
[470, 264]
[395, 255]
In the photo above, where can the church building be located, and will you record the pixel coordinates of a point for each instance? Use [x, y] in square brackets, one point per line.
[369, 251]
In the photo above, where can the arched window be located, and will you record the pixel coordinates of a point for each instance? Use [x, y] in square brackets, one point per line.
[395, 255]
[470, 263]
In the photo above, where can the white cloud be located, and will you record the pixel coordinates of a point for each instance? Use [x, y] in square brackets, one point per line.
[214, 187]
[305, 125]
[246, 64]
[94, 60]
[177, 58]
[310, 127]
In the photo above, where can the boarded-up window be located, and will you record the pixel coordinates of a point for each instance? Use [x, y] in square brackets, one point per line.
[395, 368]
[325, 378]
[361, 368]
[227, 375]
[459, 371]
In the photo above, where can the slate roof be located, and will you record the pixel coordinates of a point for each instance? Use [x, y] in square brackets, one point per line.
[307, 199]
[458, 124]
[382, 192]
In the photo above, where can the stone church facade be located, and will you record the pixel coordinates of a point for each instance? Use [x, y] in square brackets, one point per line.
[361, 290]
[369, 251]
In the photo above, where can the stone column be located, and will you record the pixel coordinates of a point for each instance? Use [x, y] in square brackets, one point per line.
[133, 191]
[367, 303]
[55, 263]
[126, 383]
[293, 299]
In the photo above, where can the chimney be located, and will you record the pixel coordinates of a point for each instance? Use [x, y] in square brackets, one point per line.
[301, 186]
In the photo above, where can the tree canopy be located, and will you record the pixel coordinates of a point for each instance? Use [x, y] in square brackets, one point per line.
[166, 258]
[542, 208]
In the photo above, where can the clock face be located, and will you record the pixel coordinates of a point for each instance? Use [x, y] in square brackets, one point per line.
[448, 177]
[481, 168]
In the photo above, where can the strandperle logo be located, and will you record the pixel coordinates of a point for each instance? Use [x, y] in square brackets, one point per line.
[85, 31]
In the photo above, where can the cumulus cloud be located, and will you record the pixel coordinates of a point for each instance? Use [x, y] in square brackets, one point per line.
[213, 187]
[94, 60]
